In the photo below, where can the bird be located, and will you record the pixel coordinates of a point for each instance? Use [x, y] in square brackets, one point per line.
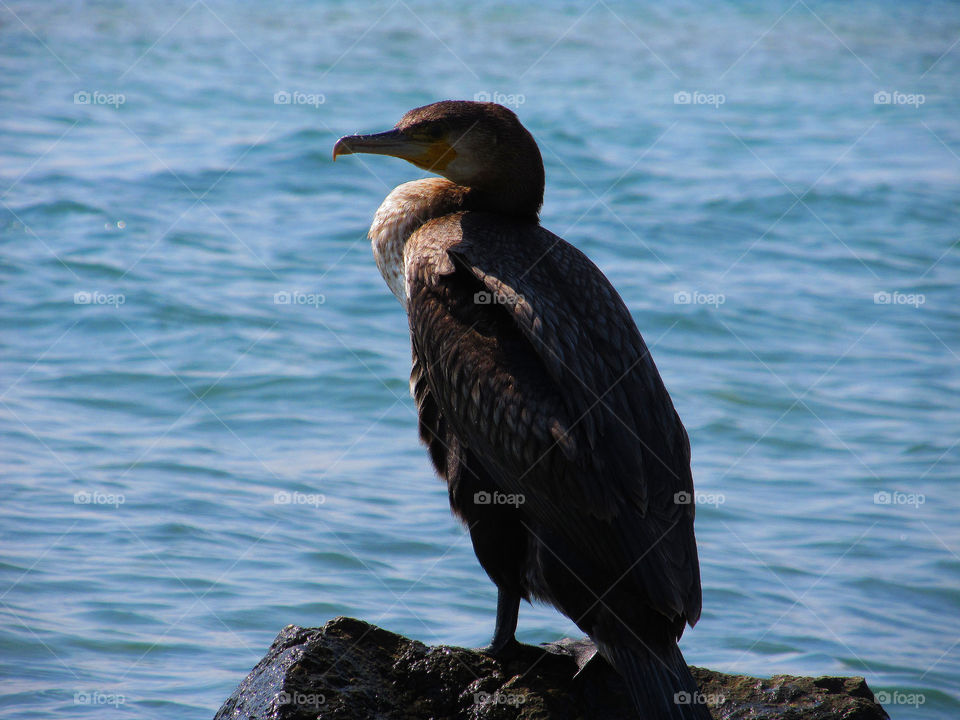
[538, 400]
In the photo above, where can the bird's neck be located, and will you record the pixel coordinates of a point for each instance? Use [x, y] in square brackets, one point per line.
[515, 202]
[412, 204]
[403, 211]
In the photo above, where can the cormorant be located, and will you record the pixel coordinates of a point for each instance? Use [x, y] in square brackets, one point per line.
[538, 400]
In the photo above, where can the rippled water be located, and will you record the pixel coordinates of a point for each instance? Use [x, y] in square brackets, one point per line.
[156, 396]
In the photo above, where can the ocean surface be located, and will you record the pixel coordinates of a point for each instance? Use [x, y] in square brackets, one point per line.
[205, 427]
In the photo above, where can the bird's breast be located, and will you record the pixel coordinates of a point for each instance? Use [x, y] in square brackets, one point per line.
[404, 210]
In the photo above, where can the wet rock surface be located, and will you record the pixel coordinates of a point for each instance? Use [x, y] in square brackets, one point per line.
[350, 669]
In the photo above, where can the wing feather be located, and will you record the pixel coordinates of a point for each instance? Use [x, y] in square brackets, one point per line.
[551, 386]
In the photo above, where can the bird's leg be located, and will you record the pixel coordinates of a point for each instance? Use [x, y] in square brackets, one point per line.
[508, 607]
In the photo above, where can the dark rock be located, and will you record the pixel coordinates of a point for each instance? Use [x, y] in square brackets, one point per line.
[351, 670]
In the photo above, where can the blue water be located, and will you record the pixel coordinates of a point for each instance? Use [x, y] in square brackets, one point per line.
[146, 562]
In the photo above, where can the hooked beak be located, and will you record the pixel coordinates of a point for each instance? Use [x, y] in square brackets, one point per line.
[428, 155]
[391, 143]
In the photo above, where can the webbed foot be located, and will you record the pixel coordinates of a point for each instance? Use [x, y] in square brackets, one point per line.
[505, 649]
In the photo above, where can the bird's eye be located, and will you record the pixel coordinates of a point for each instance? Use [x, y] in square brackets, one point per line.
[432, 131]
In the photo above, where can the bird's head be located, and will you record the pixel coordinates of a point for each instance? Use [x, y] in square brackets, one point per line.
[480, 146]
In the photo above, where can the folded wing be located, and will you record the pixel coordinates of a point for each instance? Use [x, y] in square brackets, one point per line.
[526, 353]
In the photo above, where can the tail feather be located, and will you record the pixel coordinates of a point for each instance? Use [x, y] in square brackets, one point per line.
[660, 684]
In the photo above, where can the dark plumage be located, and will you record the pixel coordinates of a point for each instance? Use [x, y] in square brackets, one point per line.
[532, 382]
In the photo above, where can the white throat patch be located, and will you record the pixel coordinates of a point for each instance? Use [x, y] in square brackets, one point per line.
[404, 210]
